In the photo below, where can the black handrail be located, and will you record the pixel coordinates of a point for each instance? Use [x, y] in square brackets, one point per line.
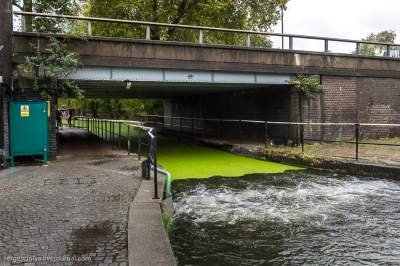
[190, 127]
[99, 128]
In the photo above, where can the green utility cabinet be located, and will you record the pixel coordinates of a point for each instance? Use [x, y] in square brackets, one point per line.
[28, 129]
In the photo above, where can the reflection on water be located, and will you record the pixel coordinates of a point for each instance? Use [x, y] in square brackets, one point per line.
[286, 219]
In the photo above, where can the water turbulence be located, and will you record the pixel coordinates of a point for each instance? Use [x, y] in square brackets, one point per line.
[291, 218]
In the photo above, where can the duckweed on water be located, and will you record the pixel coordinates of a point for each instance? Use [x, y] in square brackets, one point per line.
[185, 160]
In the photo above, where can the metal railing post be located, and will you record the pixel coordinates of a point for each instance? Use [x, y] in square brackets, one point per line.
[200, 36]
[119, 134]
[290, 43]
[129, 140]
[154, 155]
[387, 50]
[102, 130]
[240, 132]
[89, 28]
[139, 146]
[112, 139]
[266, 134]
[248, 40]
[302, 137]
[358, 46]
[357, 127]
[326, 46]
[148, 33]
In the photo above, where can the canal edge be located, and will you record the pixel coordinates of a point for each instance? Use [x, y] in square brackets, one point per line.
[148, 242]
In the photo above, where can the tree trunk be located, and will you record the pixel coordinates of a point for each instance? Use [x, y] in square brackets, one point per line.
[27, 20]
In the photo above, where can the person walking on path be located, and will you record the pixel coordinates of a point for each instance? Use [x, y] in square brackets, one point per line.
[70, 118]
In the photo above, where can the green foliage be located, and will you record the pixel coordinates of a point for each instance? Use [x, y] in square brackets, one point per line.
[387, 36]
[306, 85]
[241, 14]
[113, 108]
[53, 25]
[49, 70]
[167, 221]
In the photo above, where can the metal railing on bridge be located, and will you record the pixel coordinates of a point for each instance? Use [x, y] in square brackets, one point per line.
[329, 44]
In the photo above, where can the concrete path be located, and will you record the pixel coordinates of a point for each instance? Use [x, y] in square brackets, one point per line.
[72, 212]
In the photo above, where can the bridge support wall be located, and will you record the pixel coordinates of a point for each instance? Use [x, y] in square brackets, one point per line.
[351, 100]
[343, 100]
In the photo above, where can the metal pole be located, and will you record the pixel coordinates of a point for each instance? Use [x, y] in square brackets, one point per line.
[155, 168]
[119, 134]
[266, 133]
[200, 36]
[240, 132]
[192, 126]
[129, 140]
[283, 38]
[302, 137]
[148, 37]
[290, 43]
[139, 146]
[357, 139]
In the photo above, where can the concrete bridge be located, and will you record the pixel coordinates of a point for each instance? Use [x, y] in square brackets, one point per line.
[242, 82]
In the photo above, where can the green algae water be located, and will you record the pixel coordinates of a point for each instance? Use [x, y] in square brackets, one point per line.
[187, 160]
[294, 218]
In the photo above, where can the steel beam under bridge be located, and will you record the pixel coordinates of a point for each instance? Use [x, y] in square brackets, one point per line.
[112, 82]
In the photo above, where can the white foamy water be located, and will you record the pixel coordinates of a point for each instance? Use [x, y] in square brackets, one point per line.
[308, 200]
[289, 219]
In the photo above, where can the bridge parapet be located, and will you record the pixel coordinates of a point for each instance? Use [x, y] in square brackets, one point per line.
[120, 52]
[385, 49]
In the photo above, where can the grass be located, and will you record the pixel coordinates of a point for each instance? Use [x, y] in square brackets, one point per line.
[193, 161]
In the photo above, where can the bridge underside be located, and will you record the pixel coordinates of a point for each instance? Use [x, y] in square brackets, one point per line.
[143, 89]
[118, 82]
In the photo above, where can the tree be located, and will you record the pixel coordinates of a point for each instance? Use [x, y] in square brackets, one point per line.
[49, 71]
[387, 36]
[240, 14]
[66, 7]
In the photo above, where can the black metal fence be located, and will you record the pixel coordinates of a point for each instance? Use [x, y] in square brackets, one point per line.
[274, 132]
[123, 134]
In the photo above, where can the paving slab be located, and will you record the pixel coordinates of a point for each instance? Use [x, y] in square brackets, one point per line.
[73, 211]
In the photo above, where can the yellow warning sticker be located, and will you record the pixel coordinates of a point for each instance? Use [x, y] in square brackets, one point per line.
[24, 110]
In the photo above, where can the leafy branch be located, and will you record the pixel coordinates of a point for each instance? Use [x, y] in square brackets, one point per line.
[306, 85]
[49, 71]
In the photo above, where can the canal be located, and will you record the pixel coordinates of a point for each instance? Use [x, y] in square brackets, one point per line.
[296, 217]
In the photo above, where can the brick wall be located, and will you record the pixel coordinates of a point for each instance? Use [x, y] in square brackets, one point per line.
[5, 123]
[351, 100]
[379, 102]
